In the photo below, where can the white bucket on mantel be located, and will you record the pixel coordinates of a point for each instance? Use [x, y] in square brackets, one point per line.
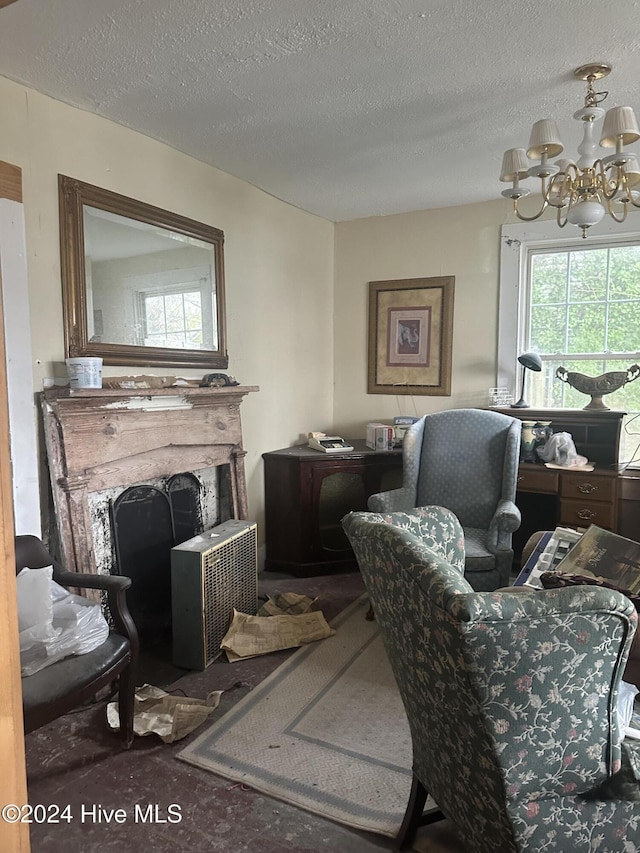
[84, 372]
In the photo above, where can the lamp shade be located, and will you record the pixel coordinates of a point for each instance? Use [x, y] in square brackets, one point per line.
[544, 139]
[620, 123]
[632, 170]
[514, 165]
[531, 360]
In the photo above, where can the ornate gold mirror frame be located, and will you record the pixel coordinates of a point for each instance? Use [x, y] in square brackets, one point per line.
[141, 286]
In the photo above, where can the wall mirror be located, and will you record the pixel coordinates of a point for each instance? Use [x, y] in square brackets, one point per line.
[141, 286]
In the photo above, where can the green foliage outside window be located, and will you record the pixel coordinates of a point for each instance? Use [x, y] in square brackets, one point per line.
[585, 317]
[174, 320]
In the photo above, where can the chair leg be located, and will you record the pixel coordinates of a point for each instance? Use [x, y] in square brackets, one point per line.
[414, 815]
[126, 694]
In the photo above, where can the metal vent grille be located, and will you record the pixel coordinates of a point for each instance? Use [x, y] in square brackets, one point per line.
[208, 582]
[229, 581]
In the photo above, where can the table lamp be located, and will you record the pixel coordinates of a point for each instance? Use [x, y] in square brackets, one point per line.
[532, 361]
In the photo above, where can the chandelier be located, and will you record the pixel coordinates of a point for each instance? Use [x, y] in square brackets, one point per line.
[582, 191]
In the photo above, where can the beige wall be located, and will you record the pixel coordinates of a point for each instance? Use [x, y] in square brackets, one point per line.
[460, 241]
[279, 262]
[297, 286]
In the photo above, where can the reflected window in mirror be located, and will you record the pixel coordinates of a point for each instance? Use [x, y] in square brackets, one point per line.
[141, 286]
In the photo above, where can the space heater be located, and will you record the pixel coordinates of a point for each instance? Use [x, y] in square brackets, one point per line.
[211, 575]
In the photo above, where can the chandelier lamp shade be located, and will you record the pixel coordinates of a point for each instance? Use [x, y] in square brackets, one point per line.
[585, 190]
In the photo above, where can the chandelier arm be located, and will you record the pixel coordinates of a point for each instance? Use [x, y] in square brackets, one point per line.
[612, 213]
[605, 182]
[559, 220]
[524, 218]
[560, 191]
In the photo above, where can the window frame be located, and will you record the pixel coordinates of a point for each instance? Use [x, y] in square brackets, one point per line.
[516, 243]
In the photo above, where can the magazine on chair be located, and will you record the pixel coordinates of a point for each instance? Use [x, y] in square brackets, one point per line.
[602, 554]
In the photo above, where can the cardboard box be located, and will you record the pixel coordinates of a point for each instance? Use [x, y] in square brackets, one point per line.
[380, 436]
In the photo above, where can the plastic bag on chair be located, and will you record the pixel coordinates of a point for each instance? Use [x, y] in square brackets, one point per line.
[54, 623]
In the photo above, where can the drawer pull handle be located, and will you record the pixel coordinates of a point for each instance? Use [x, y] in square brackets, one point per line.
[520, 478]
[586, 514]
[587, 488]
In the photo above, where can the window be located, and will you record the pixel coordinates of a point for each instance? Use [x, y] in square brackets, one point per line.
[577, 304]
[172, 319]
[172, 308]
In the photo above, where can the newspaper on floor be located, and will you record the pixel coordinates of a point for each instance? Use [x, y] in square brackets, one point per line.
[286, 602]
[168, 716]
[249, 636]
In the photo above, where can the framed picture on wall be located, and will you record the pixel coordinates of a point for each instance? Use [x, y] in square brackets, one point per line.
[410, 336]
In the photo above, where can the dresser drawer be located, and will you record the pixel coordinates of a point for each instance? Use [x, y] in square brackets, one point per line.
[536, 478]
[583, 486]
[582, 513]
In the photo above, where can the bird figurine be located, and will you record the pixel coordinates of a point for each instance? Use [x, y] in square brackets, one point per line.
[597, 386]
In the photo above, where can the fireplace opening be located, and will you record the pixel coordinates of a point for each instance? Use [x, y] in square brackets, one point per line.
[147, 521]
[184, 496]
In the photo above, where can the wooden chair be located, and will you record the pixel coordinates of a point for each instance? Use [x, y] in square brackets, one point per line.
[56, 689]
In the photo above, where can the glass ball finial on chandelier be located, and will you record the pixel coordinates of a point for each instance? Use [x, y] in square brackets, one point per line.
[585, 190]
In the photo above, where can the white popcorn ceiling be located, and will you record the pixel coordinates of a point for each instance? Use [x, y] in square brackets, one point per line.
[344, 108]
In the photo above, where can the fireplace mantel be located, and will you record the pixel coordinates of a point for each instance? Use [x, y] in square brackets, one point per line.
[100, 439]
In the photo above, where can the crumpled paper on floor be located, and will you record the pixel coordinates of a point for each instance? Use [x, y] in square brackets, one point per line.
[249, 636]
[286, 602]
[168, 716]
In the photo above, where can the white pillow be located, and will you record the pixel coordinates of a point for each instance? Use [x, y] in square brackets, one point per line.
[35, 607]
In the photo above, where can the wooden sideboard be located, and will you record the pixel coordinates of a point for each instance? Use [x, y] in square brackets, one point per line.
[307, 492]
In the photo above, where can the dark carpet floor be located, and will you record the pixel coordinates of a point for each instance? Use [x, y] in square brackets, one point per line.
[77, 762]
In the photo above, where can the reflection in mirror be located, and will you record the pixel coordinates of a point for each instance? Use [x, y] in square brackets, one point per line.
[141, 286]
[147, 286]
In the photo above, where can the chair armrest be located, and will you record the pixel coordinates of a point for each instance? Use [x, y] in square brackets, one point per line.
[505, 521]
[108, 583]
[116, 587]
[393, 501]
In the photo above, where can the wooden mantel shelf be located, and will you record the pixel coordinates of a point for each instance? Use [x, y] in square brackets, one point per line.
[191, 392]
[100, 439]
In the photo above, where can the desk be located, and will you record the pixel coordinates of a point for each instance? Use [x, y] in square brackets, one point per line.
[549, 497]
[307, 492]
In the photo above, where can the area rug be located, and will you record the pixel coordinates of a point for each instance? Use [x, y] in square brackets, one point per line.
[326, 731]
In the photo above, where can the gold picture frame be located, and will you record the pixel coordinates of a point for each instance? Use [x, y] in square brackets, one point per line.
[411, 336]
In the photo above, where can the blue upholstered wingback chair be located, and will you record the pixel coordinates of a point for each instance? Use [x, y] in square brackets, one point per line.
[510, 696]
[467, 461]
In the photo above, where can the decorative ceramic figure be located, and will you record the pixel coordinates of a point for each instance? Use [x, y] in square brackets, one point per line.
[528, 442]
[542, 432]
[598, 386]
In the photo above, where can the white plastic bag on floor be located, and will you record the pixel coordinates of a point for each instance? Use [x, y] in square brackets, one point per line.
[54, 623]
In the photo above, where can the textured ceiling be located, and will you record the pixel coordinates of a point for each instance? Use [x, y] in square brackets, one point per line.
[345, 108]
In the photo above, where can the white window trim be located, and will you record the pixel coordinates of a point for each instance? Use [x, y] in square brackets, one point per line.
[515, 242]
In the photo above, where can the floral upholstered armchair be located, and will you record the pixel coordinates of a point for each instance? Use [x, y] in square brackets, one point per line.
[467, 461]
[510, 695]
